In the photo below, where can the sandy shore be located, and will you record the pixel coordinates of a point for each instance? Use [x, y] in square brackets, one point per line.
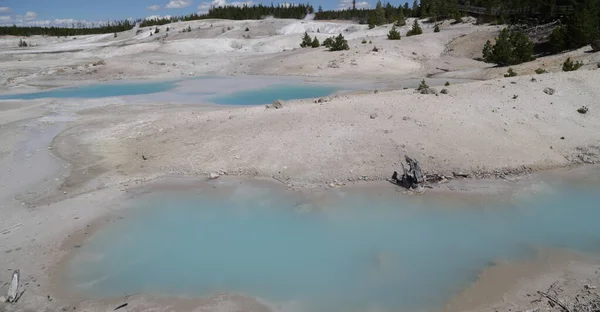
[68, 164]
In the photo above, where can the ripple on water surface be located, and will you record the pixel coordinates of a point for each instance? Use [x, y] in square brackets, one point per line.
[352, 252]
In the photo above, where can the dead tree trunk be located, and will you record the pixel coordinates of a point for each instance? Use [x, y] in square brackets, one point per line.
[412, 178]
[13, 290]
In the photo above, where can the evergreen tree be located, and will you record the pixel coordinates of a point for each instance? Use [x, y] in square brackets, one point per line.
[487, 51]
[416, 9]
[393, 34]
[401, 20]
[338, 43]
[511, 48]
[306, 41]
[416, 29]
[379, 17]
[315, 43]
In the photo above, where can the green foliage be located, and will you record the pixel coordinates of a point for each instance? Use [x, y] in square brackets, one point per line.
[510, 73]
[338, 43]
[540, 71]
[394, 34]
[156, 30]
[115, 35]
[401, 19]
[436, 28]
[22, 43]
[315, 43]
[375, 49]
[511, 48]
[416, 29]
[379, 14]
[247, 29]
[306, 41]
[447, 84]
[189, 28]
[423, 85]
[364, 41]
[372, 22]
[558, 39]
[568, 65]
[487, 50]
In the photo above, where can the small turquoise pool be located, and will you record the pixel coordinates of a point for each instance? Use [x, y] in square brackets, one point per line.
[96, 91]
[272, 93]
[350, 252]
[209, 90]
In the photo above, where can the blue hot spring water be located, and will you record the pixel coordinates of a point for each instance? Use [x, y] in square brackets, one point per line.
[96, 91]
[272, 93]
[354, 252]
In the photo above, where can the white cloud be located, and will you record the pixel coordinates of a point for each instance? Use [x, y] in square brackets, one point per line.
[204, 6]
[30, 16]
[347, 4]
[155, 17]
[5, 19]
[178, 4]
[5, 10]
[155, 7]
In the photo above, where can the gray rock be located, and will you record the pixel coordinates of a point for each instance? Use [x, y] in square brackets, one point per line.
[428, 91]
[444, 91]
[596, 45]
[373, 116]
[213, 175]
[278, 104]
[549, 91]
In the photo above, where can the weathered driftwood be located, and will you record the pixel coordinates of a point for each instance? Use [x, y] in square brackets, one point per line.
[13, 290]
[412, 178]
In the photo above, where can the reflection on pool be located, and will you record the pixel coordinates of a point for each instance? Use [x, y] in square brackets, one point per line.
[352, 252]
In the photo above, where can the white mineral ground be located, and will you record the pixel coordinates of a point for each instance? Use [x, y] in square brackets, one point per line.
[66, 164]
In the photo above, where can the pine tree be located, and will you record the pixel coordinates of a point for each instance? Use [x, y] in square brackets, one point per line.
[436, 28]
[315, 43]
[416, 9]
[306, 41]
[416, 29]
[487, 52]
[394, 34]
[379, 14]
[401, 20]
[338, 43]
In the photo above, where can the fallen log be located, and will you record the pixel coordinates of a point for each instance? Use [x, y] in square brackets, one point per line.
[413, 178]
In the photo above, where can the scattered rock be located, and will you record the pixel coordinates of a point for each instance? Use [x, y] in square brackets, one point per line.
[460, 174]
[515, 96]
[376, 91]
[2, 299]
[589, 287]
[277, 104]
[144, 157]
[373, 116]
[562, 138]
[428, 91]
[533, 80]
[549, 91]
[583, 110]
[513, 82]
[213, 175]
[444, 91]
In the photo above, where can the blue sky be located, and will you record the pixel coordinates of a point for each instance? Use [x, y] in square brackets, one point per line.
[48, 12]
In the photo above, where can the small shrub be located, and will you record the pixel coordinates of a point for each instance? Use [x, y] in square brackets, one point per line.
[583, 110]
[598, 65]
[510, 73]
[447, 84]
[115, 35]
[394, 34]
[375, 49]
[511, 48]
[558, 39]
[189, 29]
[540, 71]
[416, 29]
[306, 41]
[168, 28]
[318, 31]
[371, 26]
[157, 30]
[568, 65]
[401, 21]
[22, 43]
[247, 29]
[315, 43]
[370, 41]
[423, 85]
[364, 41]
[436, 28]
[338, 43]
